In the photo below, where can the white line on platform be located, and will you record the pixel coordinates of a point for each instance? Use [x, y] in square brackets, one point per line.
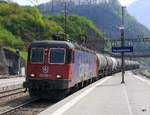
[127, 99]
[144, 80]
[69, 104]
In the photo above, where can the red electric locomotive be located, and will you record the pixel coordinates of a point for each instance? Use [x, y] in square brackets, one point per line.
[54, 67]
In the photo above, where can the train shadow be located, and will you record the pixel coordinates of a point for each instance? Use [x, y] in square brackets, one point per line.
[52, 101]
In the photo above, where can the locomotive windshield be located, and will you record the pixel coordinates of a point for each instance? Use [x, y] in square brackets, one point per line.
[37, 55]
[57, 56]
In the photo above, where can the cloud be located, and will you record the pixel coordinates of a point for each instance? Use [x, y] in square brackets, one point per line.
[126, 2]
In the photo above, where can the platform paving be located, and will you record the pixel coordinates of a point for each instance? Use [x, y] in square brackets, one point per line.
[12, 83]
[107, 97]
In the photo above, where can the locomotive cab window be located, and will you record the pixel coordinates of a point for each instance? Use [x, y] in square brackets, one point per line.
[57, 56]
[69, 56]
[37, 55]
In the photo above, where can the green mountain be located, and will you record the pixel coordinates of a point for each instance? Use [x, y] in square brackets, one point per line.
[19, 26]
[106, 15]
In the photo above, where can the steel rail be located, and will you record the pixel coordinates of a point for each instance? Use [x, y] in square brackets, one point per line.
[11, 90]
[7, 95]
[17, 107]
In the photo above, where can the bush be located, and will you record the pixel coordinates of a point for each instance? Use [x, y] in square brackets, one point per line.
[8, 39]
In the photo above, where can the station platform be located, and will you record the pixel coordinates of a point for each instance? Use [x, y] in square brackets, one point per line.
[107, 97]
[11, 84]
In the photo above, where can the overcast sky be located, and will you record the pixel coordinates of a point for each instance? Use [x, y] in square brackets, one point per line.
[28, 2]
[126, 2]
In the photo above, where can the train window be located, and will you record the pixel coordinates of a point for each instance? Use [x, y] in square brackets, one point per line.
[29, 53]
[37, 55]
[69, 56]
[85, 60]
[80, 59]
[57, 56]
[91, 60]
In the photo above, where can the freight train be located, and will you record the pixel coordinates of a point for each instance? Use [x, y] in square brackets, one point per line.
[55, 68]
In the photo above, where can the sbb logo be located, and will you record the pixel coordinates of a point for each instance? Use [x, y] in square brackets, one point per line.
[45, 69]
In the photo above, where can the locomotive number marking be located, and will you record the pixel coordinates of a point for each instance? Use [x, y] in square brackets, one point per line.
[44, 75]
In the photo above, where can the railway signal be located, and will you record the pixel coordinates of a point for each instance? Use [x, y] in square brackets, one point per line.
[18, 61]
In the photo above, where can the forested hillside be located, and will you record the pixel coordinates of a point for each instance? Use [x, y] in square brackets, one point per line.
[19, 26]
[105, 15]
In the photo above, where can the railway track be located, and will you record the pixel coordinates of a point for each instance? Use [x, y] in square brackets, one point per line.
[144, 72]
[30, 107]
[10, 95]
[11, 92]
[16, 102]
[11, 110]
[8, 98]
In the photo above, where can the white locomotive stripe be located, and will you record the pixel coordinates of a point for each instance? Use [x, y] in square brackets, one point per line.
[144, 80]
[69, 104]
[127, 100]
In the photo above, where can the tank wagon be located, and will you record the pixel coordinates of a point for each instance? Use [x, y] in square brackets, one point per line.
[54, 68]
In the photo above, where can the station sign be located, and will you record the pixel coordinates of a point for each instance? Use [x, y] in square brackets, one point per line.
[122, 49]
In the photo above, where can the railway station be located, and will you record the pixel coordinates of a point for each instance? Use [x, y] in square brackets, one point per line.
[74, 57]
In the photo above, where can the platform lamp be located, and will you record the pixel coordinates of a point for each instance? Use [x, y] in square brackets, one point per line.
[121, 28]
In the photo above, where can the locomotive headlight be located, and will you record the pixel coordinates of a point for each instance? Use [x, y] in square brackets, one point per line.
[32, 75]
[59, 76]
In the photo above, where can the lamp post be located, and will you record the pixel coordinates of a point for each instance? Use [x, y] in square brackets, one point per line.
[122, 45]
